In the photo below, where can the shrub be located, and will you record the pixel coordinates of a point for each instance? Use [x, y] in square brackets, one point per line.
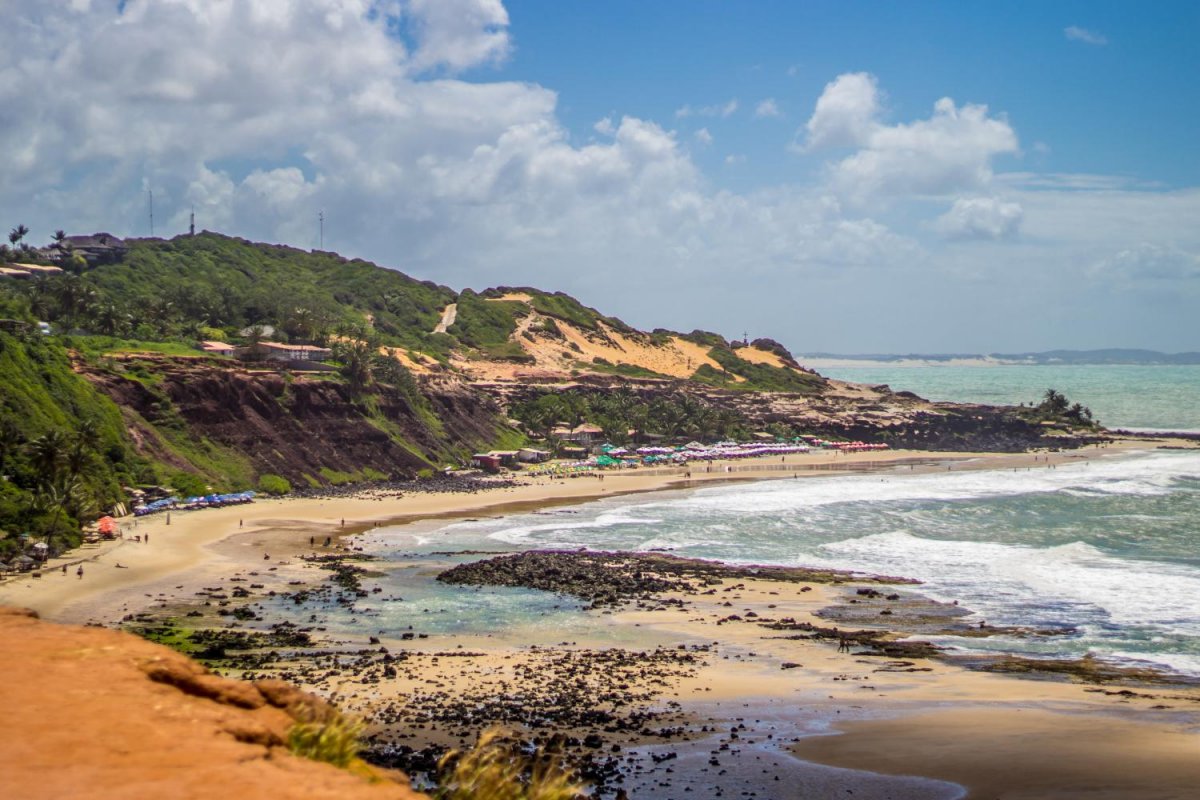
[274, 484]
[334, 741]
[188, 484]
[498, 768]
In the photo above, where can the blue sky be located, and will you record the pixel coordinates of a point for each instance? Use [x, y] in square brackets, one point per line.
[1128, 107]
[847, 177]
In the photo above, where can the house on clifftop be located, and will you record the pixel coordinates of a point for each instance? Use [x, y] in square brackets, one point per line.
[98, 248]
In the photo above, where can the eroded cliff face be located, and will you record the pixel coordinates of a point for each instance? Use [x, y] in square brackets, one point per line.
[96, 713]
[296, 425]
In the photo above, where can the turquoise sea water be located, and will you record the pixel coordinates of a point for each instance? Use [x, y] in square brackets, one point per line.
[1108, 550]
[1138, 397]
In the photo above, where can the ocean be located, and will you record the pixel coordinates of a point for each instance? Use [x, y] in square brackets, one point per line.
[1132, 397]
[1106, 551]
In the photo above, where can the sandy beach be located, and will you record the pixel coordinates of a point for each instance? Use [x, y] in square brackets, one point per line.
[184, 541]
[755, 700]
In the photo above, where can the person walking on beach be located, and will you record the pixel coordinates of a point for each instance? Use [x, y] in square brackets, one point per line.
[147, 539]
[79, 572]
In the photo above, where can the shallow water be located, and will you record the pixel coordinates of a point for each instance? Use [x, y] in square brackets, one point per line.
[1108, 548]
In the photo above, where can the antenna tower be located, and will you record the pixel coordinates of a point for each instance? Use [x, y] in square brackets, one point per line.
[192, 223]
[321, 220]
[152, 213]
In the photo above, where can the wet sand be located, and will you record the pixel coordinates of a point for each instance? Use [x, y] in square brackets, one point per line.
[949, 726]
[185, 546]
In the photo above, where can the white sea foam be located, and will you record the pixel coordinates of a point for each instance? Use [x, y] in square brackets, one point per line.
[1144, 475]
[565, 534]
[1079, 580]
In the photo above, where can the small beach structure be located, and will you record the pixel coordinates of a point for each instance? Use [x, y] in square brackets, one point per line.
[107, 527]
[486, 462]
[278, 351]
[218, 348]
[532, 455]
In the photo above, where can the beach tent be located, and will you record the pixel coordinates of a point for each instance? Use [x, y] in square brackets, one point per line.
[107, 527]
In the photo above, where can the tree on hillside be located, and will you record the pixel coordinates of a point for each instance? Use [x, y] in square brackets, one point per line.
[75, 298]
[60, 235]
[17, 234]
[1054, 402]
[357, 357]
[46, 456]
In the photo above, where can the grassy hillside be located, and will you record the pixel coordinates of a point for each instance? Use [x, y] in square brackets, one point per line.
[178, 286]
[64, 454]
[120, 395]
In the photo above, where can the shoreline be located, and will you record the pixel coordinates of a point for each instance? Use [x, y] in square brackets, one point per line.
[189, 541]
[906, 706]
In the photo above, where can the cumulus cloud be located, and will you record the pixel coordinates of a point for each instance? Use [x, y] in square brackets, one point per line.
[980, 218]
[457, 34]
[1078, 34]
[261, 113]
[703, 136]
[947, 153]
[722, 110]
[767, 108]
[846, 112]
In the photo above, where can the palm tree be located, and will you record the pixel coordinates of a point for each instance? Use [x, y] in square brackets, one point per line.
[356, 357]
[109, 320]
[60, 235]
[74, 297]
[46, 454]
[17, 234]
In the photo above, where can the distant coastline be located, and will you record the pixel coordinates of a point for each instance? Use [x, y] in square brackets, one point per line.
[1106, 357]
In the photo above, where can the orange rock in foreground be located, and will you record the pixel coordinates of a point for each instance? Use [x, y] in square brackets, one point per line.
[95, 713]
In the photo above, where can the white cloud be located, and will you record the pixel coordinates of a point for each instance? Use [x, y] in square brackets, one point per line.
[846, 112]
[1146, 261]
[263, 112]
[950, 151]
[980, 218]
[723, 110]
[457, 34]
[767, 108]
[703, 136]
[1078, 34]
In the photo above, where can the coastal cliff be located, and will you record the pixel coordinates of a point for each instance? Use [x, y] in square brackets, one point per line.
[97, 713]
[237, 424]
[208, 363]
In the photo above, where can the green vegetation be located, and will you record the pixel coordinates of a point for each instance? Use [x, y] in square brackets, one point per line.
[1055, 407]
[128, 328]
[628, 370]
[274, 484]
[765, 377]
[680, 416]
[335, 740]
[488, 325]
[562, 307]
[63, 451]
[499, 767]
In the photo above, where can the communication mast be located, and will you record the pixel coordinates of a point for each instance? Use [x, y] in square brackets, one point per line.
[152, 213]
[192, 223]
[321, 220]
